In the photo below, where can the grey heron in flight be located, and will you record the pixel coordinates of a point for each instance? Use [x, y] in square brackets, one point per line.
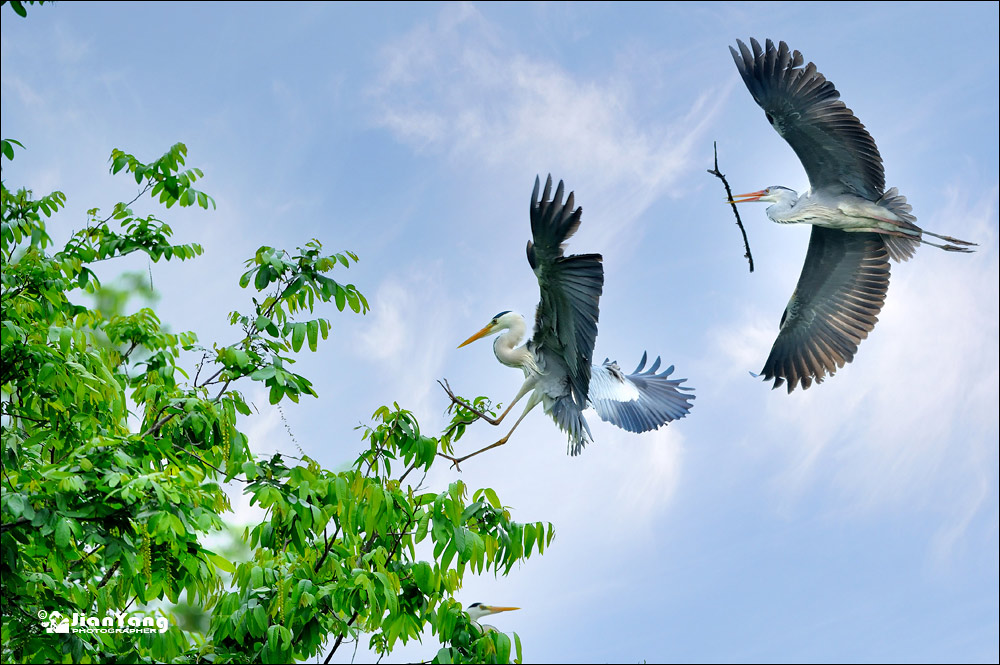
[557, 360]
[858, 225]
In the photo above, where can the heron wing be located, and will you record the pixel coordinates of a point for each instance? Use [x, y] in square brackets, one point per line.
[570, 286]
[836, 150]
[641, 401]
[834, 306]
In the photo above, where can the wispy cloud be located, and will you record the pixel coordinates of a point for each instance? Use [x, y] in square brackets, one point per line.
[455, 86]
[408, 334]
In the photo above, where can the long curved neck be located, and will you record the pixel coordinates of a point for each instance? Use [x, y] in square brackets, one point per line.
[506, 348]
[783, 211]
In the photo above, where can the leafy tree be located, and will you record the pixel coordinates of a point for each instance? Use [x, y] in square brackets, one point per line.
[114, 460]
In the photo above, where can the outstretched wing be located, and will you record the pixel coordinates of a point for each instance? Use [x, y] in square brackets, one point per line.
[834, 306]
[641, 401]
[836, 150]
[566, 318]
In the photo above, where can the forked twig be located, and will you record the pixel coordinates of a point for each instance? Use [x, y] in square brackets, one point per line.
[729, 195]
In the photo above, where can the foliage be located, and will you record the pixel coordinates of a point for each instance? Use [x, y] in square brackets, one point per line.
[19, 7]
[114, 461]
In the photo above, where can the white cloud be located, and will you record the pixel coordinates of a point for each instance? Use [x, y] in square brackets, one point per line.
[408, 333]
[28, 96]
[455, 86]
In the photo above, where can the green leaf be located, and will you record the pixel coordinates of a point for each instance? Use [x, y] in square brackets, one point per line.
[423, 576]
[422, 524]
[65, 339]
[263, 278]
[340, 296]
[259, 621]
[529, 539]
[263, 322]
[220, 562]
[313, 329]
[62, 532]
[503, 648]
[463, 543]
[352, 299]
[298, 336]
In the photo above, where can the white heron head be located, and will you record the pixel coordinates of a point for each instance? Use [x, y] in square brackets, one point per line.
[773, 194]
[477, 611]
[502, 321]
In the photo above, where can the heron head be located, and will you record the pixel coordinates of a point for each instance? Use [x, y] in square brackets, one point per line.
[772, 194]
[501, 321]
[477, 611]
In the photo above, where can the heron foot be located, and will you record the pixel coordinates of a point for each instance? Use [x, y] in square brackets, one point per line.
[455, 461]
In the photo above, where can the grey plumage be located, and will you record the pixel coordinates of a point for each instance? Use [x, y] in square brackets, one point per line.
[641, 401]
[837, 152]
[566, 330]
[557, 360]
[570, 286]
[857, 225]
[834, 306]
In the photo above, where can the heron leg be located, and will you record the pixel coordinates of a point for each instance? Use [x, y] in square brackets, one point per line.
[532, 403]
[917, 236]
[525, 387]
[950, 239]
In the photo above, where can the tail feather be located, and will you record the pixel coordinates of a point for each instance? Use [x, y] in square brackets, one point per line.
[902, 246]
[569, 418]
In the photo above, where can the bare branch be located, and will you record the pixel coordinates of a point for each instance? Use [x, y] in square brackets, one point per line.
[145, 189]
[729, 197]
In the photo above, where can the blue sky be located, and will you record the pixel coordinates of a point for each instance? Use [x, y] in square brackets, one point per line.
[855, 521]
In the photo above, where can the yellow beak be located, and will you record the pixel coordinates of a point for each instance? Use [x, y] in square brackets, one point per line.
[494, 609]
[479, 335]
[747, 198]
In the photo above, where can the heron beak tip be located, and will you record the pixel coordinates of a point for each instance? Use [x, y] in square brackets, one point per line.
[494, 609]
[482, 333]
[747, 198]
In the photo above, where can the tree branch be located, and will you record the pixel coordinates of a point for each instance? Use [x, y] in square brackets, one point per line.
[729, 197]
[326, 550]
[354, 617]
[111, 571]
[145, 189]
[15, 523]
[340, 638]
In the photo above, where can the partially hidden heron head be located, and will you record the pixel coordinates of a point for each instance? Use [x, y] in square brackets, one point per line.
[499, 322]
[772, 194]
[477, 611]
